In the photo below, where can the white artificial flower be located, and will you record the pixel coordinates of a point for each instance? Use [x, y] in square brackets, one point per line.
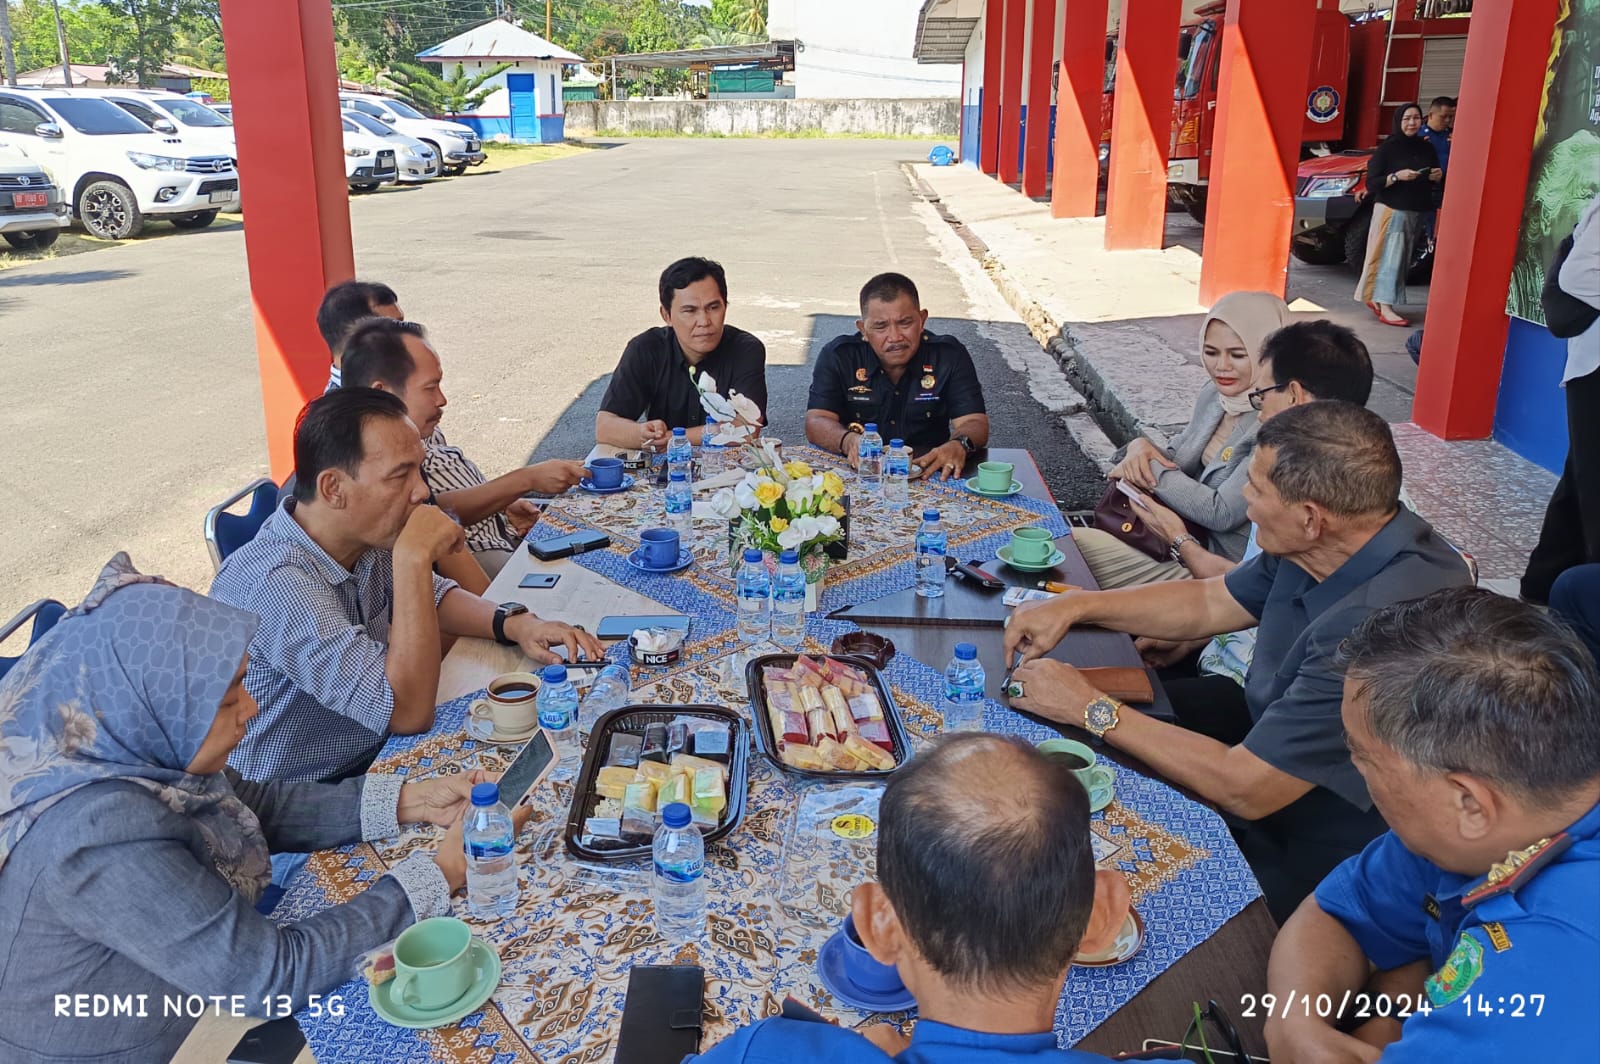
[828, 525]
[745, 407]
[724, 505]
[801, 490]
[792, 537]
[744, 493]
[705, 382]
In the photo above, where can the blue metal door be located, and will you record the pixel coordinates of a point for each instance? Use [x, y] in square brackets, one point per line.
[524, 112]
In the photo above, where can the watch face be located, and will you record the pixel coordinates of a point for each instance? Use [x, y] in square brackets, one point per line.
[511, 609]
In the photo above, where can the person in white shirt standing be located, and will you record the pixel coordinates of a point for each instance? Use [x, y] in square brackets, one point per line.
[1571, 533]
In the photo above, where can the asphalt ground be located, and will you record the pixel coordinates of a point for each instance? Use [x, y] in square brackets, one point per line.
[132, 400]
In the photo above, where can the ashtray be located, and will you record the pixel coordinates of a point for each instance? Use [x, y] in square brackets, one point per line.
[669, 654]
[875, 648]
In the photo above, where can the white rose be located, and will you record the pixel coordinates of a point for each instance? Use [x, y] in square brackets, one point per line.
[744, 493]
[800, 491]
[724, 505]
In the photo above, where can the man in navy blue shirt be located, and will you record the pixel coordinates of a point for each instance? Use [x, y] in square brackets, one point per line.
[986, 888]
[1475, 721]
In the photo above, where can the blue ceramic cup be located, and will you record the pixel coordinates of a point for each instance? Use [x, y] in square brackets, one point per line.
[605, 472]
[659, 547]
[863, 970]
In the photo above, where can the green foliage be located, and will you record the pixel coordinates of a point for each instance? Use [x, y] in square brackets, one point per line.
[458, 93]
[137, 36]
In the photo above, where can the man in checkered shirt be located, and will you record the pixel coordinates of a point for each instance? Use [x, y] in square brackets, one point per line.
[352, 613]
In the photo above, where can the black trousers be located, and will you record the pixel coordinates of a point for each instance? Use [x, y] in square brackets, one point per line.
[1571, 532]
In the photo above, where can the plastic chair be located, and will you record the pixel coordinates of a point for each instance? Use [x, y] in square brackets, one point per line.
[941, 156]
[227, 532]
[44, 614]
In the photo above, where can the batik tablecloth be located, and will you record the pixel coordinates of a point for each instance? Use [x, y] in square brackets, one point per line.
[580, 927]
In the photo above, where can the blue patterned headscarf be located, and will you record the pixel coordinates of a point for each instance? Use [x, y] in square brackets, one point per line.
[125, 687]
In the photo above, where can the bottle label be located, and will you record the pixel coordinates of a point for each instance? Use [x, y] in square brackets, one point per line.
[554, 717]
[484, 849]
[681, 871]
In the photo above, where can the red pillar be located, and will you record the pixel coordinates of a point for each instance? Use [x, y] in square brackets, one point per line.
[1261, 103]
[284, 80]
[1141, 124]
[989, 115]
[1083, 73]
[1041, 54]
[1508, 45]
[1014, 57]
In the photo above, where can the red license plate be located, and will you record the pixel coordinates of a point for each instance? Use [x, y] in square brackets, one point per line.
[29, 199]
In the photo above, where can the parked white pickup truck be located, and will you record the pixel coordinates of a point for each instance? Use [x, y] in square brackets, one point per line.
[32, 212]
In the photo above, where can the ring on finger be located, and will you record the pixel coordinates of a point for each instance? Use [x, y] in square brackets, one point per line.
[1016, 689]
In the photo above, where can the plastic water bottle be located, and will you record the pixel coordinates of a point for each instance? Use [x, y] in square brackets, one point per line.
[680, 506]
[711, 453]
[489, 838]
[963, 691]
[680, 454]
[609, 691]
[869, 464]
[931, 545]
[557, 702]
[789, 601]
[897, 473]
[754, 587]
[678, 887]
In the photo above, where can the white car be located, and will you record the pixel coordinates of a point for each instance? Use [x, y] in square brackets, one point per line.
[115, 171]
[32, 212]
[416, 160]
[167, 112]
[368, 160]
[457, 145]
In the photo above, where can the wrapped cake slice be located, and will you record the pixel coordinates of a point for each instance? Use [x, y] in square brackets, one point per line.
[865, 707]
[875, 732]
[840, 757]
[800, 755]
[614, 780]
[820, 723]
[839, 709]
[865, 751]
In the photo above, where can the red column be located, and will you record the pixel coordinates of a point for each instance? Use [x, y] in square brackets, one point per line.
[1083, 73]
[1141, 124]
[989, 115]
[1041, 55]
[1508, 45]
[1261, 104]
[1014, 57]
[283, 78]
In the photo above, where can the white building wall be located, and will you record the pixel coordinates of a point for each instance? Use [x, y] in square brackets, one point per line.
[857, 49]
[498, 103]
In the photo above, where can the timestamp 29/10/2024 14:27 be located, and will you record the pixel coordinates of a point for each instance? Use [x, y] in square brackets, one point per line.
[1364, 1006]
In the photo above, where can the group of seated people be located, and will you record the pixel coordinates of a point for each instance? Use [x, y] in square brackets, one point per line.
[1411, 766]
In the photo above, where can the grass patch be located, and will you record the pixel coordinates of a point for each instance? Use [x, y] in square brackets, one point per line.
[505, 156]
[771, 134]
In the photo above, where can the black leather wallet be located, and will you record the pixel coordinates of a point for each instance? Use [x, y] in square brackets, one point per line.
[661, 1021]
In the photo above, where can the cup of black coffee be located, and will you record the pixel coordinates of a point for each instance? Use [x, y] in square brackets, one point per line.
[864, 970]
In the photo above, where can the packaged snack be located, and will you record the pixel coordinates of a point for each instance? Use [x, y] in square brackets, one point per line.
[640, 796]
[713, 743]
[655, 743]
[603, 827]
[677, 739]
[624, 749]
[614, 780]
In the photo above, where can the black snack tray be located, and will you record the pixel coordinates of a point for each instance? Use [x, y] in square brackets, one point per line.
[755, 681]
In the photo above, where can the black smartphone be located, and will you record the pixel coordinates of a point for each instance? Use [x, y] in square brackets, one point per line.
[539, 580]
[661, 1016]
[529, 768]
[548, 550]
[622, 627]
[273, 1042]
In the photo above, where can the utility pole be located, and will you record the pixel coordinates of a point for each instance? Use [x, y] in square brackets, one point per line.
[10, 55]
[547, 19]
[61, 42]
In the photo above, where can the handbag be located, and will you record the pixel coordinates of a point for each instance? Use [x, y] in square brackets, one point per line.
[1565, 315]
[1117, 515]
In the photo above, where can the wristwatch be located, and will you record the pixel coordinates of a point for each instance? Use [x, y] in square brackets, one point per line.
[1175, 552]
[502, 613]
[1100, 716]
[965, 442]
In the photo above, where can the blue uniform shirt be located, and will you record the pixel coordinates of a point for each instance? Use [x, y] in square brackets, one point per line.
[1516, 968]
[786, 1041]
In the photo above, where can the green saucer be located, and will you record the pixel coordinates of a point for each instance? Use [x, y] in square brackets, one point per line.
[483, 985]
[1004, 554]
[972, 486]
[1101, 786]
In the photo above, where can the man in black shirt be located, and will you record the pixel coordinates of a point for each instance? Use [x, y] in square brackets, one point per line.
[914, 385]
[656, 377]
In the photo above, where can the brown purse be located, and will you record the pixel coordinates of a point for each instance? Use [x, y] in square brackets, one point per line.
[1116, 514]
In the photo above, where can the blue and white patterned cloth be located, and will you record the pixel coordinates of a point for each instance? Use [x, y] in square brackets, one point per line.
[317, 661]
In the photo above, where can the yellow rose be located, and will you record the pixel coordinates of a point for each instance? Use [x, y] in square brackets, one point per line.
[797, 469]
[768, 491]
[833, 509]
[833, 485]
[779, 524]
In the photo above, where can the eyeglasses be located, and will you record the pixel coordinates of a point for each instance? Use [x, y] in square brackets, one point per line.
[1260, 394]
[1214, 1015]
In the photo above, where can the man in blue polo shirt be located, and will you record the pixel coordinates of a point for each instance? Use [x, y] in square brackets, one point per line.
[1476, 723]
[986, 988]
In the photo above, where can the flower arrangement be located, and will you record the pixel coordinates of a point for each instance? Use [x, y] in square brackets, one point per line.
[783, 505]
[737, 417]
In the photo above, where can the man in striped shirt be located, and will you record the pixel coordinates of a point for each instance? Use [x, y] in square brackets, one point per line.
[395, 356]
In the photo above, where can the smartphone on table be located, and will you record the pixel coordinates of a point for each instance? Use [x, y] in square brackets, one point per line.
[618, 627]
[548, 550]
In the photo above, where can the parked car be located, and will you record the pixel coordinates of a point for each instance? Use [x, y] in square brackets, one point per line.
[32, 212]
[167, 112]
[458, 146]
[368, 160]
[415, 159]
[116, 171]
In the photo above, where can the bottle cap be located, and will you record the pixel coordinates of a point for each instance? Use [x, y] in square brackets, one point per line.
[752, 554]
[789, 557]
[871, 426]
[680, 432]
[897, 443]
[674, 815]
[930, 515]
[485, 793]
[966, 651]
[677, 474]
[556, 674]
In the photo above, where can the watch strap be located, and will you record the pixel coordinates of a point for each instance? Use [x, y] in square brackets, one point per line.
[501, 613]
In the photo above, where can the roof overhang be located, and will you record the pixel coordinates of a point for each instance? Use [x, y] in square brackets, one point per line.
[771, 55]
[943, 29]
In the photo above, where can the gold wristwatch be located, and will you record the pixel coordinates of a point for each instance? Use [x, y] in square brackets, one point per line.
[1101, 715]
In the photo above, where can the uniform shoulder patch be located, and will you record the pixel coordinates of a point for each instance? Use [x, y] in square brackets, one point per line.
[1497, 935]
[1459, 971]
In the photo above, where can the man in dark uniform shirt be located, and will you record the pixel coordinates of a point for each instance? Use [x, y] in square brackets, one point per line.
[657, 374]
[914, 385]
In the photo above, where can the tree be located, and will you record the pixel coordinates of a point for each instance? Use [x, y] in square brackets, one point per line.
[722, 36]
[453, 95]
[147, 34]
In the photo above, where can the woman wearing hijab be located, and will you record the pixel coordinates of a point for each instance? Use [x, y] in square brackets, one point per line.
[1202, 474]
[130, 862]
[1400, 177]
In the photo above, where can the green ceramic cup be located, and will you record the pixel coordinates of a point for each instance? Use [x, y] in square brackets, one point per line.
[433, 963]
[1080, 759]
[995, 476]
[1029, 545]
